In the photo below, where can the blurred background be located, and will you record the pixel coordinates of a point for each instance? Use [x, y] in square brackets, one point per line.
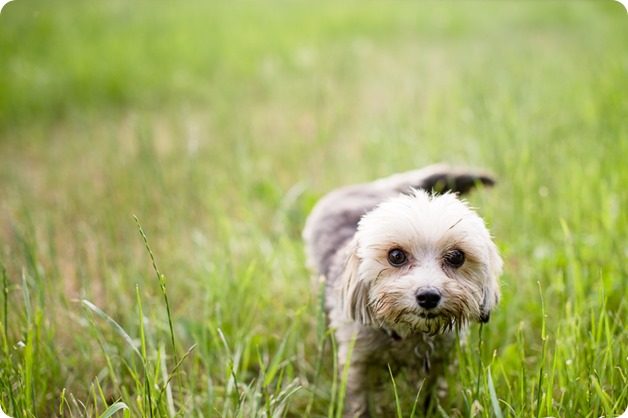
[220, 124]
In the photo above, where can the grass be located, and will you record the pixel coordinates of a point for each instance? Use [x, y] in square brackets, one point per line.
[218, 126]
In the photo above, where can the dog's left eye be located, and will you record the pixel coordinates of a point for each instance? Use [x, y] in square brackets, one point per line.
[397, 258]
[455, 258]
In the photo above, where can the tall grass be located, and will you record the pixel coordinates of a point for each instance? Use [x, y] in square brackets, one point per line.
[220, 125]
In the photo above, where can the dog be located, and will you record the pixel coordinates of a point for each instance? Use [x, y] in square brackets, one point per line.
[407, 266]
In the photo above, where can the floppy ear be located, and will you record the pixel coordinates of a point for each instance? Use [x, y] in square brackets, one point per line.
[490, 290]
[354, 292]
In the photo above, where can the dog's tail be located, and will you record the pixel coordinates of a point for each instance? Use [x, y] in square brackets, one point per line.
[440, 178]
[335, 217]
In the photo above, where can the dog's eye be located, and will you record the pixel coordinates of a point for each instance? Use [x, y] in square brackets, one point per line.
[397, 258]
[454, 258]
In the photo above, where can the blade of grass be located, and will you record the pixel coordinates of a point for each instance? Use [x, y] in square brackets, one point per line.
[497, 411]
[5, 296]
[233, 378]
[118, 406]
[114, 325]
[166, 388]
[162, 283]
[345, 375]
[394, 385]
[539, 393]
[61, 403]
[177, 366]
[322, 333]
[334, 382]
[8, 366]
[148, 388]
[276, 361]
[29, 384]
[416, 400]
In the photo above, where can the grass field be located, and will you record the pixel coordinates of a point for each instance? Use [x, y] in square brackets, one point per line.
[218, 126]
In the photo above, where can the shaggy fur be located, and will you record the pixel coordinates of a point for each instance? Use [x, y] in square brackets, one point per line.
[405, 268]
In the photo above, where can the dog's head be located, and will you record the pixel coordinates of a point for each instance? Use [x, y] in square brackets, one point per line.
[421, 263]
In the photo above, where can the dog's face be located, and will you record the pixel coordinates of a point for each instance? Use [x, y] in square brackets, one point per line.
[421, 263]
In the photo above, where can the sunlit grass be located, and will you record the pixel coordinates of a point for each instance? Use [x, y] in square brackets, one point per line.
[219, 126]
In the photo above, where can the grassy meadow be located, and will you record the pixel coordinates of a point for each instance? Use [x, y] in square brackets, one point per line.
[158, 161]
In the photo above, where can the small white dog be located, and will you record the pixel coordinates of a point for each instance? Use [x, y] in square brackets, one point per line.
[405, 268]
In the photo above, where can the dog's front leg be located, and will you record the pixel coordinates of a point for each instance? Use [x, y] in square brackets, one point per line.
[358, 385]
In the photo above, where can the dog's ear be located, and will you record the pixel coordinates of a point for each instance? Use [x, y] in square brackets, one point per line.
[490, 290]
[354, 291]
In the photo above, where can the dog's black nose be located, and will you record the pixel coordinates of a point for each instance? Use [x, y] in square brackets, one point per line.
[428, 298]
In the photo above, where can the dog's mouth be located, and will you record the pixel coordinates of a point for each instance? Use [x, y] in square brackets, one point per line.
[430, 323]
[440, 315]
[431, 315]
[434, 323]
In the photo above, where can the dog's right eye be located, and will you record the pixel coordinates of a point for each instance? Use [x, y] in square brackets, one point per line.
[454, 258]
[397, 258]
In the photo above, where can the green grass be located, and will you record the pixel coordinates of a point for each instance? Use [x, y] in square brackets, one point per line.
[219, 125]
